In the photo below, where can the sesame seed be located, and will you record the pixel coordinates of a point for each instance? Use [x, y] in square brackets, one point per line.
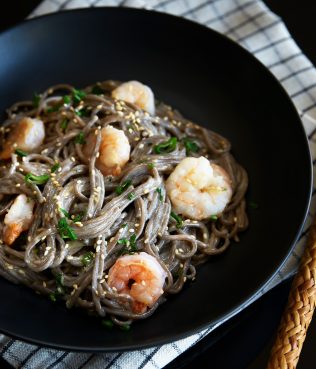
[180, 249]
[15, 145]
[181, 265]
[106, 276]
[184, 279]
[102, 280]
[34, 192]
[96, 292]
[114, 289]
[21, 271]
[146, 191]
[111, 239]
[43, 238]
[132, 230]
[99, 106]
[235, 219]
[44, 284]
[66, 246]
[72, 159]
[136, 224]
[146, 240]
[98, 249]
[58, 144]
[99, 242]
[10, 267]
[195, 221]
[102, 256]
[97, 155]
[18, 185]
[204, 235]
[75, 286]
[141, 146]
[143, 283]
[136, 139]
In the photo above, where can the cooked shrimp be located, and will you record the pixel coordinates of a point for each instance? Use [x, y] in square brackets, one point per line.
[113, 153]
[199, 189]
[27, 135]
[136, 93]
[18, 218]
[141, 277]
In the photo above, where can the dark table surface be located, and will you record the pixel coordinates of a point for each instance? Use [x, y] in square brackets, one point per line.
[245, 341]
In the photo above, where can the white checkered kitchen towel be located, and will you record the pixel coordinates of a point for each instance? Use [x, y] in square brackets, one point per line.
[255, 27]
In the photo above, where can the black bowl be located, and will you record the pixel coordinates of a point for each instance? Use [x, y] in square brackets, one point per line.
[212, 81]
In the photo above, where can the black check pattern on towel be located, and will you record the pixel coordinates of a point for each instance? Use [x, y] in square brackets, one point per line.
[255, 27]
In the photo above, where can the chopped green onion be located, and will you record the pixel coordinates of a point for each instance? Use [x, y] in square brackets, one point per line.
[52, 296]
[107, 323]
[55, 167]
[59, 279]
[125, 327]
[80, 138]
[213, 218]
[64, 124]
[178, 219]
[130, 247]
[65, 230]
[77, 217]
[159, 190]
[167, 146]
[21, 153]
[253, 205]
[78, 95]
[36, 100]
[67, 99]
[39, 180]
[190, 146]
[87, 258]
[150, 166]
[131, 196]
[120, 189]
[67, 215]
[97, 90]
[84, 112]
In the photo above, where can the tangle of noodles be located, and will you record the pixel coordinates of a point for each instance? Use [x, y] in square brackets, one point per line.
[76, 270]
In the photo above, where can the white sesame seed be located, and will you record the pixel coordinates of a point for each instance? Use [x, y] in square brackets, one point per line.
[102, 280]
[75, 286]
[141, 145]
[99, 242]
[184, 279]
[131, 230]
[44, 284]
[136, 139]
[18, 185]
[143, 283]
[114, 289]
[97, 155]
[102, 256]
[98, 249]
[146, 240]
[72, 159]
[136, 224]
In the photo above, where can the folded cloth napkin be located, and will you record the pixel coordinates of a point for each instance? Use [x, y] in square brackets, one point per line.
[255, 27]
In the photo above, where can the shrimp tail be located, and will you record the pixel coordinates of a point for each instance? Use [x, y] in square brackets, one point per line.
[11, 232]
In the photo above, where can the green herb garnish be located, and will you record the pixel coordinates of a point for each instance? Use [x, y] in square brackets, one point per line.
[36, 100]
[131, 196]
[84, 112]
[213, 218]
[21, 153]
[159, 190]
[52, 296]
[107, 323]
[39, 180]
[67, 215]
[80, 138]
[190, 146]
[150, 166]
[65, 230]
[78, 95]
[55, 167]
[67, 99]
[64, 124]
[167, 146]
[77, 217]
[59, 279]
[125, 327]
[178, 219]
[130, 247]
[87, 258]
[97, 90]
[120, 189]
[253, 205]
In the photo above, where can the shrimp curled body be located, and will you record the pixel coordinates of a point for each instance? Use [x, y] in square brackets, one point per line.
[199, 189]
[139, 275]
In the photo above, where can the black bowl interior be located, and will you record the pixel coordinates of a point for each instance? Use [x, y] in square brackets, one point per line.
[215, 83]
